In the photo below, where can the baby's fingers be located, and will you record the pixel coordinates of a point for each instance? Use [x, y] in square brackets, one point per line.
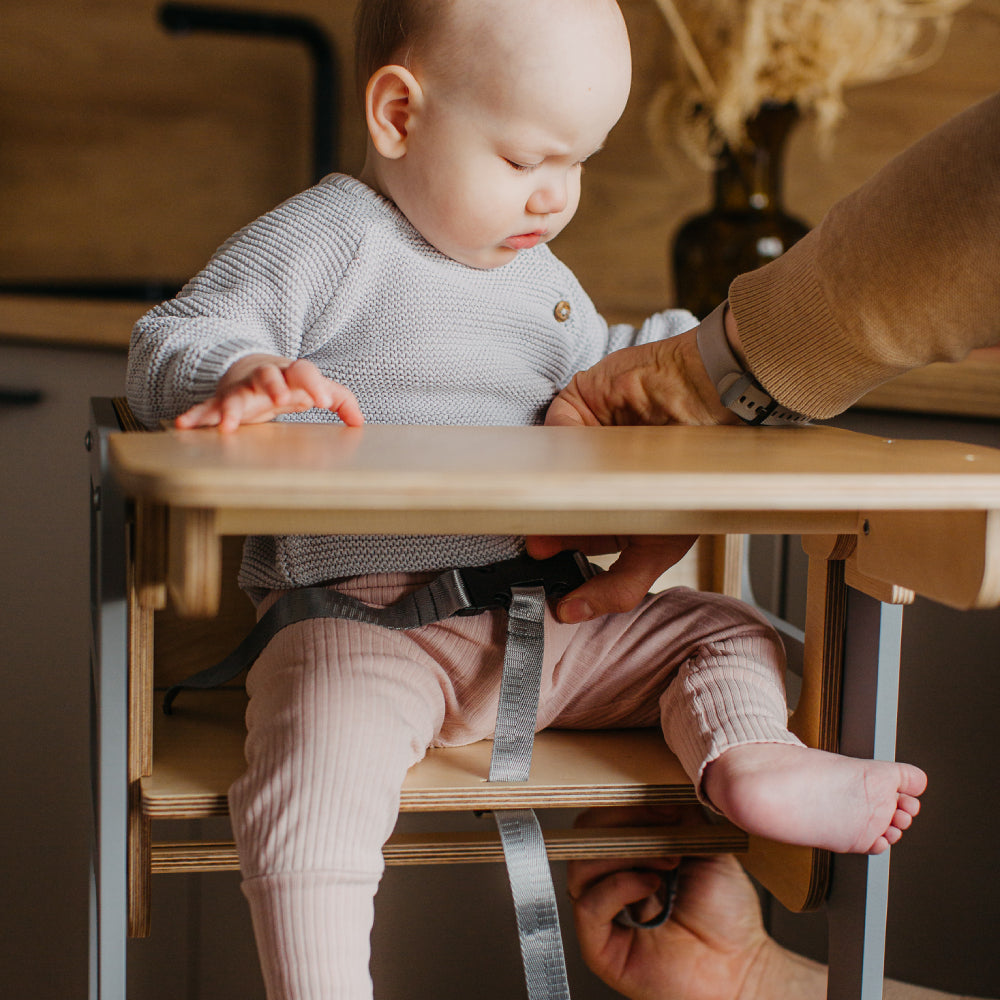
[324, 392]
[347, 407]
[246, 405]
[200, 415]
[270, 380]
[225, 412]
[237, 407]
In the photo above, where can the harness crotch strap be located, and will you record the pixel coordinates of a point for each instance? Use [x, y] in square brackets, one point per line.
[534, 904]
[520, 682]
[521, 586]
[527, 861]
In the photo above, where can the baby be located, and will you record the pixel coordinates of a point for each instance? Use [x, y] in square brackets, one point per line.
[424, 292]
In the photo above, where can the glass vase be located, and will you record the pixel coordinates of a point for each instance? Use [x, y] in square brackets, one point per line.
[747, 225]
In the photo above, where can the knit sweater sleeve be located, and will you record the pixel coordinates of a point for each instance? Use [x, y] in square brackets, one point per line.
[659, 326]
[261, 293]
[901, 273]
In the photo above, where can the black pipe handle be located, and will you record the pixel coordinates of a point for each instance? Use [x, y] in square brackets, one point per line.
[183, 17]
[20, 397]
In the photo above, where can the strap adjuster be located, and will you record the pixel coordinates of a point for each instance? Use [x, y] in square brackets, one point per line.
[489, 587]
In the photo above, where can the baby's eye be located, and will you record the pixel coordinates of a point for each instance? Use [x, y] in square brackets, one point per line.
[524, 167]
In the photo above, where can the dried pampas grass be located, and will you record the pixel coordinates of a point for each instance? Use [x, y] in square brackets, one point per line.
[735, 55]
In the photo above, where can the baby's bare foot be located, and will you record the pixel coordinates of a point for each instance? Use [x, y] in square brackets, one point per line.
[804, 796]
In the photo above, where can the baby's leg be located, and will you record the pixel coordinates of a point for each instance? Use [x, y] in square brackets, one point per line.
[338, 711]
[712, 672]
[725, 717]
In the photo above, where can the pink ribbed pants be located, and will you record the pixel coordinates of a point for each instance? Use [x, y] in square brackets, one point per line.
[340, 710]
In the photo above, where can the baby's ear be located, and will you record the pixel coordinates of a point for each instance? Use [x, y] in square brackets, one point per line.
[392, 100]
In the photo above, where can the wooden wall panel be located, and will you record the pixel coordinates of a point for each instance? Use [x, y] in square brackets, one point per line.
[126, 152]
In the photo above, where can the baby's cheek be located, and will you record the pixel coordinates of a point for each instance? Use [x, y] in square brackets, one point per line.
[572, 203]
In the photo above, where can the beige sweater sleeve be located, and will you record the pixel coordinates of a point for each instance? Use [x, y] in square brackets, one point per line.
[902, 272]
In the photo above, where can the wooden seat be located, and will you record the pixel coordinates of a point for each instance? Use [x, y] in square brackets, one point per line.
[170, 507]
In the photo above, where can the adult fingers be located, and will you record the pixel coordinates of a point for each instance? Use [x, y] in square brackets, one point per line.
[642, 561]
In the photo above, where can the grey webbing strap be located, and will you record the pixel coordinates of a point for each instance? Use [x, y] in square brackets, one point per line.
[520, 833]
[534, 904]
[519, 685]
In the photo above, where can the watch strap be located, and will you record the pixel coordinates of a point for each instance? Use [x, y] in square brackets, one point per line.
[739, 391]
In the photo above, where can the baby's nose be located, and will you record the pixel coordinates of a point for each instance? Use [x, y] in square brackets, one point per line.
[548, 198]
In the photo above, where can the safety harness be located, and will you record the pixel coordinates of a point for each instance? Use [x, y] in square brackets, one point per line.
[520, 586]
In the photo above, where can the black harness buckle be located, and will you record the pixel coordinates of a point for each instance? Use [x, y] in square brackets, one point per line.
[489, 587]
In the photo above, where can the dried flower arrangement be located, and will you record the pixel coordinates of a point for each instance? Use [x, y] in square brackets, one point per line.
[738, 54]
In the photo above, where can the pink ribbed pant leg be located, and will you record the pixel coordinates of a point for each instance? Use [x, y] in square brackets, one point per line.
[340, 710]
[708, 668]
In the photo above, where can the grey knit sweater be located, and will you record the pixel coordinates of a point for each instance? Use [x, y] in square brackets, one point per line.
[339, 276]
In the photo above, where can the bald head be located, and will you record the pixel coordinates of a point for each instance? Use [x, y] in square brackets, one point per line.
[572, 55]
[386, 31]
[499, 42]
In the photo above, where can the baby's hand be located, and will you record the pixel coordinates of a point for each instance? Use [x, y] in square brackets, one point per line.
[259, 387]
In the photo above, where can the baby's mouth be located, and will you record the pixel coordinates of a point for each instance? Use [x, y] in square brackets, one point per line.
[524, 241]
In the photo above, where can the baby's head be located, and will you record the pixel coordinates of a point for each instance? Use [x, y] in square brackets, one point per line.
[481, 112]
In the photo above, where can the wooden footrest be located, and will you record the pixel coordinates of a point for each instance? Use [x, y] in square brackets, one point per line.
[481, 846]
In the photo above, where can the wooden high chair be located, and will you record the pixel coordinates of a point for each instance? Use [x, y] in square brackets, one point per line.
[880, 520]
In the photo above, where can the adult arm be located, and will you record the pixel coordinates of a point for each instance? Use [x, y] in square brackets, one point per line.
[903, 272]
[900, 273]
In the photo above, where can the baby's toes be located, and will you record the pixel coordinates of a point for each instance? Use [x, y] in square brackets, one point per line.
[908, 804]
[912, 781]
[901, 820]
[884, 842]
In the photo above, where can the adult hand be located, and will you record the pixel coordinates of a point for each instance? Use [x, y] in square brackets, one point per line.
[712, 947]
[660, 383]
[259, 387]
[642, 560]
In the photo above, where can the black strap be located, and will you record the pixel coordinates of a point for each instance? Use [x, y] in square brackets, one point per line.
[455, 592]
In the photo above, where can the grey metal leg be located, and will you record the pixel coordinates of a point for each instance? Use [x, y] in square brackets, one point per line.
[856, 909]
[108, 721]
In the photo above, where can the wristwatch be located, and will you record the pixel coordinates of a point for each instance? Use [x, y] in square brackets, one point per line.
[737, 388]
